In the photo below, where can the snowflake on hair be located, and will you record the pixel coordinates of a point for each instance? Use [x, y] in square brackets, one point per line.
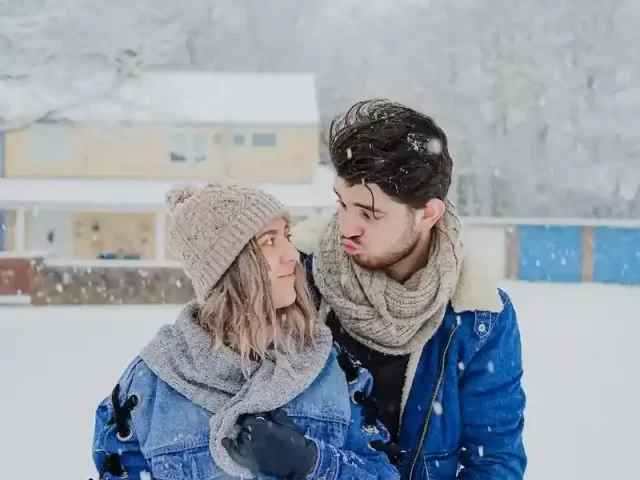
[434, 146]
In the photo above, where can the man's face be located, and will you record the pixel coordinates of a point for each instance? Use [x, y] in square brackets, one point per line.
[376, 230]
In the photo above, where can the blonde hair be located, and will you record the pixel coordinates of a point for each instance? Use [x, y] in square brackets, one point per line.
[239, 311]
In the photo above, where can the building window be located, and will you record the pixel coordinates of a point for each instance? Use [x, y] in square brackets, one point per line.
[239, 140]
[49, 143]
[188, 147]
[466, 193]
[199, 146]
[264, 140]
[179, 147]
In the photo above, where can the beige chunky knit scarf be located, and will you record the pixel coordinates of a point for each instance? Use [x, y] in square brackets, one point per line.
[379, 312]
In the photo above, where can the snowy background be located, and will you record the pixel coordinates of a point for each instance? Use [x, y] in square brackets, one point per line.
[541, 97]
[528, 92]
[580, 363]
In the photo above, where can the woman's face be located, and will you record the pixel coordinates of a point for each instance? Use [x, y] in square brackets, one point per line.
[282, 258]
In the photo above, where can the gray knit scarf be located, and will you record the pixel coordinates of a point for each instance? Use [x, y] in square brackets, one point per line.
[379, 312]
[182, 355]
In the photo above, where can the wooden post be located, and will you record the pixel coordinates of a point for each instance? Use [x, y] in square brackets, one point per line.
[160, 235]
[587, 254]
[512, 233]
[20, 230]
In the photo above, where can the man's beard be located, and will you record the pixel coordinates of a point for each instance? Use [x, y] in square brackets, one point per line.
[408, 244]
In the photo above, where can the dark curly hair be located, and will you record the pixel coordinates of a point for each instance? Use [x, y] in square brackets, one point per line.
[401, 150]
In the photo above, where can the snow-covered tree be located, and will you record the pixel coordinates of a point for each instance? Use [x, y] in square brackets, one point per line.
[51, 49]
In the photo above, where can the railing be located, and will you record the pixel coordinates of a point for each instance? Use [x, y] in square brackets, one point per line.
[547, 250]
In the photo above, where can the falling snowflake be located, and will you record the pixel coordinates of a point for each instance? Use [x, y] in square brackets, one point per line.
[434, 146]
[349, 153]
[59, 287]
[491, 367]
[481, 450]
[145, 475]
[458, 319]
[461, 365]
[437, 408]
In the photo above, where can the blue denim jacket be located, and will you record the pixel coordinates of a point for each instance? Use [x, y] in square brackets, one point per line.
[463, 414]
[168, 435]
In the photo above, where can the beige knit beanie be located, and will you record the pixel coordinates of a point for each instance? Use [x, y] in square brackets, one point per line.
[211, 226]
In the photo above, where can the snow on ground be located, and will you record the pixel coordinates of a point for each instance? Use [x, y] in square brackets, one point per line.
[56, 364]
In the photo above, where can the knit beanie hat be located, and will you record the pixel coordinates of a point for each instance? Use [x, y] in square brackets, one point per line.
[211, 226]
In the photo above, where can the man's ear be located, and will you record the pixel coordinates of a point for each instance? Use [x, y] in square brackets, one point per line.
[433, 211]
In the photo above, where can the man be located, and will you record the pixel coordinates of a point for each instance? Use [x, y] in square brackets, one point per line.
[405, 299]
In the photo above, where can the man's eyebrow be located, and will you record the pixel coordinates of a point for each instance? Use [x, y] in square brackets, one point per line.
[363, 206]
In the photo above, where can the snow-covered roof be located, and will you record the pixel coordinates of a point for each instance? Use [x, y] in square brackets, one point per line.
[183, 97]
[146, 195]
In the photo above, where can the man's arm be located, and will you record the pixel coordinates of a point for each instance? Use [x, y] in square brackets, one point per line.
[492, 402]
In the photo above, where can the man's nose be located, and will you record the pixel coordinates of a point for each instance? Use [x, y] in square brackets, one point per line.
[350, 227]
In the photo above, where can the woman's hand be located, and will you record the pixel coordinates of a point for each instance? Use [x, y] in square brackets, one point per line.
[272, 444]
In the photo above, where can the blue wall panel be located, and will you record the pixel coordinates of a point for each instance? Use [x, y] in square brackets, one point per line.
[550, 253]
[616, 255]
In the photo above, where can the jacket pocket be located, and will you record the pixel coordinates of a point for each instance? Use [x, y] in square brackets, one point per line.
[192, 464]
[328, 426]
[441, 466]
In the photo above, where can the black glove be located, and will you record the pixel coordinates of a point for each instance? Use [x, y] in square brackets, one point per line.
[272, 444]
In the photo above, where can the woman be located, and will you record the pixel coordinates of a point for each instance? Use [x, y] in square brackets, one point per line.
[245, 382]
